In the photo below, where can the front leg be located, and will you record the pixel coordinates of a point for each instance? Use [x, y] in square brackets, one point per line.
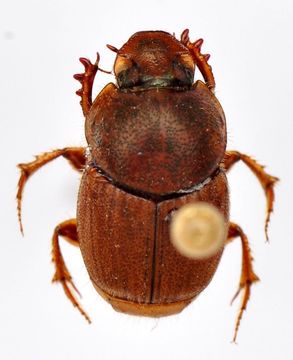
[201, 60]
[87, 79]
[266, 180]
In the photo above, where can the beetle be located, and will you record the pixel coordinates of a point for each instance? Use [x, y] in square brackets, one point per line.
[156, 142]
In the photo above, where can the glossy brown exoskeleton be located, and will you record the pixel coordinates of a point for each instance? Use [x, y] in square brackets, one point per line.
[156, 141]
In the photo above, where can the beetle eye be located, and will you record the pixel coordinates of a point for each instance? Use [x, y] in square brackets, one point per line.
[187, 61]
[122, 63]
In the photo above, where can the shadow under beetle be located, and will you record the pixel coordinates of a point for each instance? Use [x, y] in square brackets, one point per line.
[156, 141]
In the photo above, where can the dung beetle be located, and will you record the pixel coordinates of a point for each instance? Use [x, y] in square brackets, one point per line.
[153, 195]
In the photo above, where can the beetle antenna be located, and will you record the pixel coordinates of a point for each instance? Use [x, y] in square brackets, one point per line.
[105, 71]
[112, 48]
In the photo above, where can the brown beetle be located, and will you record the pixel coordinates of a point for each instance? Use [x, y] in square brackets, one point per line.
[156, 141]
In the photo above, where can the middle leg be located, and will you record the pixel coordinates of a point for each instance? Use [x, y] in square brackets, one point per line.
[74, 155]
[266, 180]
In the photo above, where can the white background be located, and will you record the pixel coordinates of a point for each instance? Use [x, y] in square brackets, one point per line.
[41, 41]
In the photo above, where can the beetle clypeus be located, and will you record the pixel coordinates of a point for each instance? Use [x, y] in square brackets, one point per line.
[156, 141]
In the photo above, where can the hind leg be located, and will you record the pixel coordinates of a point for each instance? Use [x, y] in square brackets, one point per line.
[68, 231]
[248, 276]
[75, 156]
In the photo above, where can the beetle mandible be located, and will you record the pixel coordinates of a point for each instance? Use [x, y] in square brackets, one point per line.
[156, 141]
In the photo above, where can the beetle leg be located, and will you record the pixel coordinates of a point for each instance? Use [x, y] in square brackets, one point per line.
[67, 230]
[201, 60]
[266, 180]
[87, 79]
[75, 156]
[248, 276]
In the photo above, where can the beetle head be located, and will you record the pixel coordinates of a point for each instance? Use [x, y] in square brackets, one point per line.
[153, 59]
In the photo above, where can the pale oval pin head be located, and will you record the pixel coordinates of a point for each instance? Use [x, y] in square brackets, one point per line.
[198, 230]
